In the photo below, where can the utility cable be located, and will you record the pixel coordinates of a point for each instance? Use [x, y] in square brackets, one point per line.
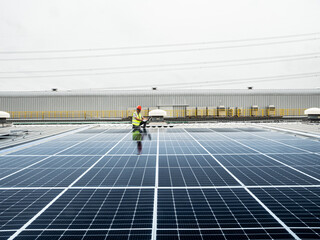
[224, 81]
[172, 45]
[174, 67]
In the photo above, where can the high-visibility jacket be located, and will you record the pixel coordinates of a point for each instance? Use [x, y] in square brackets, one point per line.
[136, 122]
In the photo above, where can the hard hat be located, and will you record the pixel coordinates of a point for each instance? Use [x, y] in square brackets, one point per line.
[139, 107]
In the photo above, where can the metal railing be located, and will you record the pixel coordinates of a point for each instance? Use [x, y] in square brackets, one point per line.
[180, 113]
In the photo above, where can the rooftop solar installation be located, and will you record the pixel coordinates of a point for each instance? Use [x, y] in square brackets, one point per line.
[185, 182]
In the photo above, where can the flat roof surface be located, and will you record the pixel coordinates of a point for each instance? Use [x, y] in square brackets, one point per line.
[19, 134]
[202, 181]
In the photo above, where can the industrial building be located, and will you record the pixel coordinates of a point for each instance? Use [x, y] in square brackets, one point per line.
[178, 103]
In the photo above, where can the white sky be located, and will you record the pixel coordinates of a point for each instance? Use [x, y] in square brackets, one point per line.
[92, 27]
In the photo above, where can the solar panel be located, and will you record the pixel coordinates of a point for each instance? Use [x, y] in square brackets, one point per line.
[177, 183]
[10, 164]
[189, 171]
[211, 208]
[307, 233]
[298, 207]
[225, 129]
[35, 177]
[17, 205]
[99, 209]
[200, 130]
[131, 234]
[223, 234]
[271, 176]
[265, 146]
[225, 147]
[313, 171]
[298, 159]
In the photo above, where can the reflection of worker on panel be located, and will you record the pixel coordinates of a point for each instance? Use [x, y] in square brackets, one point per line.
[138, 136]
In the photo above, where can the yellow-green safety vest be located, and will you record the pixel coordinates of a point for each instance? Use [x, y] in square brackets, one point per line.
[136, 122]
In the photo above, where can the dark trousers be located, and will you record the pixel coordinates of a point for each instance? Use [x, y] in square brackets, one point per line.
[142, 124]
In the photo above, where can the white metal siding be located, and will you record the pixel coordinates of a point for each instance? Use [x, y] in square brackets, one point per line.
[121, 100]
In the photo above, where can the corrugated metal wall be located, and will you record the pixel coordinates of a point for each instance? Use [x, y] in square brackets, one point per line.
[121, 100]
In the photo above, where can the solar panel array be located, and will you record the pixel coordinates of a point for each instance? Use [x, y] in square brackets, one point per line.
[180, 183]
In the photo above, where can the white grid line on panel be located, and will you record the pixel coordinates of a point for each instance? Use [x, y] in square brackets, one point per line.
[48, 157]
[155, 197]
[164, 229]
[285, 144]
[258, 200]
[271, 157]
[60, 194]
[150, 187]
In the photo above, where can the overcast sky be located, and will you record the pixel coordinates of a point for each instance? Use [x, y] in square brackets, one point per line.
[96, 44]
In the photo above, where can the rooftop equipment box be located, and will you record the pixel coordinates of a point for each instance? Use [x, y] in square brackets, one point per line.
[271, 111]
[222, 111]
[254, 111]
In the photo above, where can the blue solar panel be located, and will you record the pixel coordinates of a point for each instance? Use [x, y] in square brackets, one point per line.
[265, 146]
[271, 176]
[192, 170]
[174, 183]
[99, 209]
[19, 206]
[87, 235]
[89, 148]
[313, 171]
[34, 177]
[130, 147]
[10, 164]
[225, 147]
[223, 234]
[118, 177]
[306, 233]
[211, 208]
[253, 160]
[297, 207]
[298, 159]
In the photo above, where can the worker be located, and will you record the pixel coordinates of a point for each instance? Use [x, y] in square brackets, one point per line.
[138, 120]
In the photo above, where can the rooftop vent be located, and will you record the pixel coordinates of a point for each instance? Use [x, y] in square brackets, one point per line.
[313, 113]
[157, 115]
[3, 117]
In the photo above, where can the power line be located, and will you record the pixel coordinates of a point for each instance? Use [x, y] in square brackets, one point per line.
[172, 67]
[151, 52]
[153, 70]
[147, 53]
[259, 81]
[159, 70]
[170, 45]
[230, 81]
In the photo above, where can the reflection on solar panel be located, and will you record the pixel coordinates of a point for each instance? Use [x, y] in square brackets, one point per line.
[176, 183]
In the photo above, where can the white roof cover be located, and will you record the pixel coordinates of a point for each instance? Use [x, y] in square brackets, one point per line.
[312, 111]
[157, 112]
[4, 115]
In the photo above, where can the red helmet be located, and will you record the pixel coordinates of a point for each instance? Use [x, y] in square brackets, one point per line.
[139, 107]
